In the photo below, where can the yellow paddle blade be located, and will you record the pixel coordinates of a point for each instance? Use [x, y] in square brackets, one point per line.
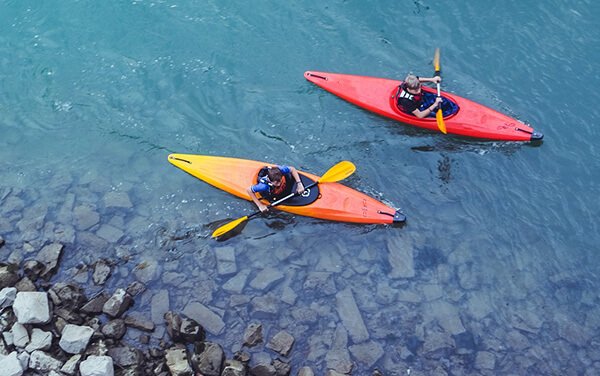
[439, 116]
[228, 227]
[436, 60]
[338, 172]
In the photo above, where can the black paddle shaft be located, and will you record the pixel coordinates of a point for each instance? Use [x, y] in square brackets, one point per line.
[283, 199]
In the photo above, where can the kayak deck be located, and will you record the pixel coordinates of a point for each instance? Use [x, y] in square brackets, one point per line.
[335, 201]
[378, 95]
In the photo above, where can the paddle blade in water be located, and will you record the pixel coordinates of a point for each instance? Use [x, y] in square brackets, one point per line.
[439, 116]
[436, 60]
[228, 227]
[338, 172]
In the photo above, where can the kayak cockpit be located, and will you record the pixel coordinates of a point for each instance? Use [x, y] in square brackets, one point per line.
[309, 196]
[449, 107]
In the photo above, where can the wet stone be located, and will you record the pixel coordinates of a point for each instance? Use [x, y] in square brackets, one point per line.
[208, 358]
[209, 320]
[117, 200]
[237, 283]
[266, 278]
[226, 264]
[25, 284]
[125, 356]
[147, 271]
[114, 329]
[253, 335]
[8, 275]
[139, 321]
[101, 272]
[367, 353]
[264, 306]
[110, 233]
[282, 343]
[85, 217]
[118, 303]
[135, 288]
[95, 304]
[49, 256]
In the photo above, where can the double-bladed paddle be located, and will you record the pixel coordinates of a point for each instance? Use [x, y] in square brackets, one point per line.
[336, 173]
[439, 115]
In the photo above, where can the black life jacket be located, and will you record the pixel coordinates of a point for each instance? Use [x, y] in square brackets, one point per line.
[403, 93]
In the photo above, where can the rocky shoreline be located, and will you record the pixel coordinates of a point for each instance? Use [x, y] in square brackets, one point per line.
[55, 329]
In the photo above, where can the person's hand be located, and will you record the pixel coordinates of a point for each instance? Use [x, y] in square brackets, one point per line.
[436, 79]
[263, 208]
[299, 188]
[437, 102]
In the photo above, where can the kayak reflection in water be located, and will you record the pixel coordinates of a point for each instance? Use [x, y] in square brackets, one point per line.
[275, 183]
[411, 98]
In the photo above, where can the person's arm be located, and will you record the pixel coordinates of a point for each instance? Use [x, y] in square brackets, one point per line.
[426, 112]
[262, 207]
[296, 176]
[435, 79]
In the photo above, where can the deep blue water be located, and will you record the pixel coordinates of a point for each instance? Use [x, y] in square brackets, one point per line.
[95, 95]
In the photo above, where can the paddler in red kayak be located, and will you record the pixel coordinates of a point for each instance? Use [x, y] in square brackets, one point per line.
[410, 96]
[274, 183]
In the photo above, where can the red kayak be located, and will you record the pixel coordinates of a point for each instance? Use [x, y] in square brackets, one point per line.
[462, 116]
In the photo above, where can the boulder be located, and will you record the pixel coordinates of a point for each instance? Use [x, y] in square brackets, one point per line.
[118, 303]
[32, 307]
[97, 366]
[75, 338]
[208, 358]
[10, 365]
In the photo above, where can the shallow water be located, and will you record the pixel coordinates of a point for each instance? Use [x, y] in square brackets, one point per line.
[502, 237]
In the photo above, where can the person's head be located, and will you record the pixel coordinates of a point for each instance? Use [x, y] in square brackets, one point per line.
[412, 83]
[275, 176]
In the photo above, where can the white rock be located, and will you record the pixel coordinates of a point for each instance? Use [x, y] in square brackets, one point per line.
[7, 297]
[24, 359]
[97, 366]
[70, 366]
[32, 307]
[43, 362]
[20, 335]
[40, 340]
[75, 338]
[10, 365]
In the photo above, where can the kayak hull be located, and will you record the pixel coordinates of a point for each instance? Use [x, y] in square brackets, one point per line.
[336, 202]
[378, 95]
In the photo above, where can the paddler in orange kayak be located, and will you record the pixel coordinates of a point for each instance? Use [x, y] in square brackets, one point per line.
[275, 182]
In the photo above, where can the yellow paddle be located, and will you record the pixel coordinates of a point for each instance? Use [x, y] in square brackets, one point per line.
[439, 116]
[338, 172]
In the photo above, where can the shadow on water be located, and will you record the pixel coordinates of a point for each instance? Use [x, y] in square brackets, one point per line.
[429, 258]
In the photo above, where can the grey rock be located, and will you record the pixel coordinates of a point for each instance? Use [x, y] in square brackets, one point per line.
[67, 295]
[350, 316]
[281, 342]
[110, 233]
[32, 307]
[101, 272]
[485, 360]
[8, 275]
[233, 367]
[33, 269]
[209, 320]
[282, 368]
[49, 256]
[367, 353]
[208, 358]
[338, 357]
[265, 306]
[125, 356]
[95, 304]
[266, 278]
[401, 258]
[159, 305]
[135, 288]
[116, 199]
[85, 217]
[71, 365]
[177, 362]
[226, 264]
[147, 271]
[305, 371]
[237, 283]
[114, 329]
[97, 366]
[25, 284]
[263, 370]
[139, 321]
[253, 335]
[118, 303]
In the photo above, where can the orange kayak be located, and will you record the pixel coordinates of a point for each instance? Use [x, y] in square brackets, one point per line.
[331, 201]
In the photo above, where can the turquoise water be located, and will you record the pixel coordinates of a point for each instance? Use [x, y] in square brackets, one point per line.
[501, 238]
